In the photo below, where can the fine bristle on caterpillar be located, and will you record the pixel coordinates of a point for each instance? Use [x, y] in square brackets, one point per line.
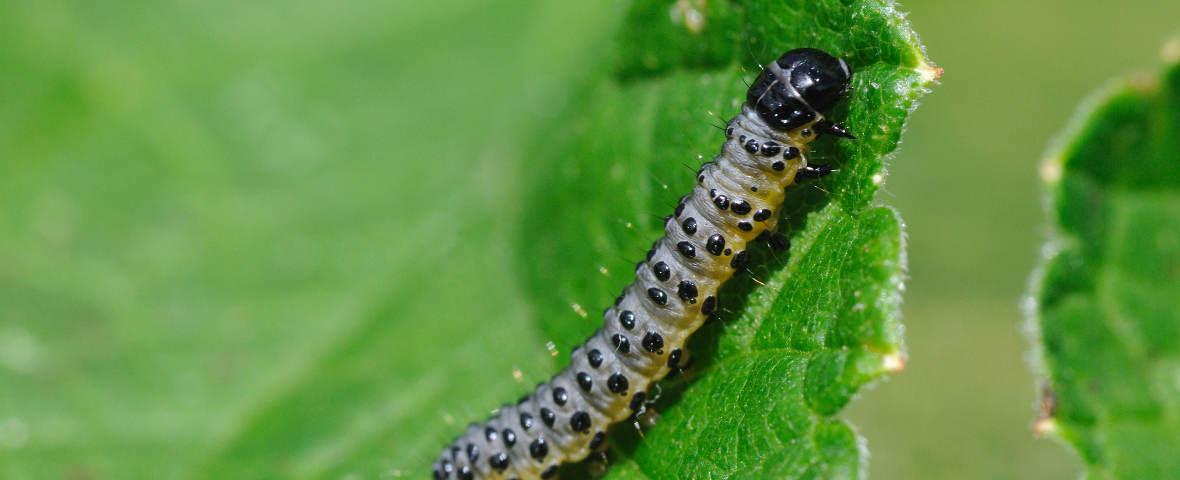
[737, 197]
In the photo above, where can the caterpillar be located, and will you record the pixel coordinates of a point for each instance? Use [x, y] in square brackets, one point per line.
[736, 199]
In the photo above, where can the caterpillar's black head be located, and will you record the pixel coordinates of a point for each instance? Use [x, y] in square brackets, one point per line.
[799, 85]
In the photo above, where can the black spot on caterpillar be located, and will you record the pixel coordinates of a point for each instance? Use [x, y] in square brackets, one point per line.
[703, 245]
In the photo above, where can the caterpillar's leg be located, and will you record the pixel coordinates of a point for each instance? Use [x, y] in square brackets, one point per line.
[597, 464]
[686, 362]
[777, 241]
[832, 128]
[678, 362]
[774, 239]
[644, 415]
[646, 419]
[813, 171]
[596, 467]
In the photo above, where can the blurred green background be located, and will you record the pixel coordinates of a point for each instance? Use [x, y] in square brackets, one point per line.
[223, 225]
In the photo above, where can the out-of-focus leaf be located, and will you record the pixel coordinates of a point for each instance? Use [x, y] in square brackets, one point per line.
[1108, 300]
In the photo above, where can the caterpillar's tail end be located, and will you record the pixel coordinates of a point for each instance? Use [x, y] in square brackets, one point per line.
[834, 129]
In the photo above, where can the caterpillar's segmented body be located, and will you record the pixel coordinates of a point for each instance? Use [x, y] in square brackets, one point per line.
[737, 197]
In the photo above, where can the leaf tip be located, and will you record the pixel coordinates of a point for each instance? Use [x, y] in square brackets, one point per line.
[1044, 426]
[1144, 82]
[1046, 422]
[929, 72]
[893, 362]
[1050, 170]
[1170, 53]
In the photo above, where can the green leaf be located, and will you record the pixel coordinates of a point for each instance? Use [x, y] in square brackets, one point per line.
[283, 239]
[1108, 313]
[808, 327]
[232, 233]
